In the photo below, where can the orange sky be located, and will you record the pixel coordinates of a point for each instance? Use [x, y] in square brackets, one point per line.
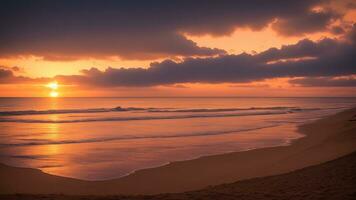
[241, 40]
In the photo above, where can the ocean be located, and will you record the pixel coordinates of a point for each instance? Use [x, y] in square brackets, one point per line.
[106, 138]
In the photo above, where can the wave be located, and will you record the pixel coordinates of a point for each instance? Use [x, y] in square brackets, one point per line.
[103, 119]
[121, 109]
[224, 109]
[68, 111]
[193, 113]
[133, 137]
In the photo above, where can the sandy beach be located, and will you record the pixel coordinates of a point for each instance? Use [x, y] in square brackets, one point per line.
[340, 185]
[326, 140]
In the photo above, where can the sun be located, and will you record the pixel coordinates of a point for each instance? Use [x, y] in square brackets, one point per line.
[53, 85]
[53, 94]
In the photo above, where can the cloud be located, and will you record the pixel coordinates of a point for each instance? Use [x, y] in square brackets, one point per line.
[142, 29]
[7, 76]
[309, 22]
[325, 82]
[337, 30]
[327, 57]
[308, 59]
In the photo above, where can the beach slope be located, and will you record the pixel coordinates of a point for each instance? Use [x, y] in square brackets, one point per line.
[331, 180]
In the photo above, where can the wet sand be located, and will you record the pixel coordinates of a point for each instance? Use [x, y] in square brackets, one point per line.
[326, 139]
[332, 180]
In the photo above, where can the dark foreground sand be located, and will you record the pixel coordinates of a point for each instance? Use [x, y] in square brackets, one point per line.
[332, 180]
[327, 139]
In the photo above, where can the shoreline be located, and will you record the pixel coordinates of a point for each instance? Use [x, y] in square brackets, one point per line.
[339, 174]
[288, 142]
[324, 140]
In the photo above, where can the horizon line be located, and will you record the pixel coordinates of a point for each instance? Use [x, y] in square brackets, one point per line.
[182, 97]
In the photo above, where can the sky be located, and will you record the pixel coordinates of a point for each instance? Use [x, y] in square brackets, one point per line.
[280, 48]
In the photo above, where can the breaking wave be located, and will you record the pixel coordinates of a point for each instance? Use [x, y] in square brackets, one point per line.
[67, 111]
[151, 114]
[132, 137]
[121, 109]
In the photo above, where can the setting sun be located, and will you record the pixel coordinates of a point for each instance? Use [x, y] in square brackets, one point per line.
[53, 85]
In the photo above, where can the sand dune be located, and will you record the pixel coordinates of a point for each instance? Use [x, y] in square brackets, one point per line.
[326, 139]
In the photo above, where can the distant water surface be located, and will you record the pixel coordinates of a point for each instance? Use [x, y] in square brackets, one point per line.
[105, 138]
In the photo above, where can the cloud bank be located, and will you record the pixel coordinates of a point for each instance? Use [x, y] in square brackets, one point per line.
[325, 58]
[308, 63]
[64, 30]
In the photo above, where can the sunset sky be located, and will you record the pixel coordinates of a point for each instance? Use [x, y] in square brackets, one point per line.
[178, 48]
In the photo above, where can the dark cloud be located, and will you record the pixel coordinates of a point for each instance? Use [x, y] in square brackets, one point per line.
[7, 76]
[351, 35]
[329, 58]
[351, 5]
[304, 48]
[16, 69]
[325, 82]
[305, 23]
[337, 30]
[142, 29]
